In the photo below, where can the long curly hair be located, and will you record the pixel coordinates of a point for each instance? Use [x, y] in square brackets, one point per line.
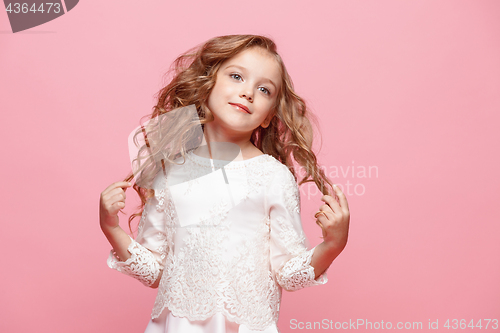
[193, 75]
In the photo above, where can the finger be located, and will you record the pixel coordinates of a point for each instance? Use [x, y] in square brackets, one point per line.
[120, 192]
[320, 213]
[113, 188]
[327, 211]
[118, 205]
[318, 222]
[322, 220]
[123, 185]
[331, 192]
[342, 198]
[331, 203]
[115, 194]
[115, 208]
[118, 197]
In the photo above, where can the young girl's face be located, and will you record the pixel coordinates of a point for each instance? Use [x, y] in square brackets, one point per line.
[245, 92]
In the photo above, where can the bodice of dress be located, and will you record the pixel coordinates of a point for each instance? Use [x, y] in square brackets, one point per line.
[223, 238]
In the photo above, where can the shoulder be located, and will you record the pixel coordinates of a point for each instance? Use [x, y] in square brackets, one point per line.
[271, 166]
[281, 171]
[283, 189]
[282, 180]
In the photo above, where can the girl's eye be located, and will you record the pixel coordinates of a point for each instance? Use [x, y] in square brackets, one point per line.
[236, 76]
[265, 91]
[239, 78]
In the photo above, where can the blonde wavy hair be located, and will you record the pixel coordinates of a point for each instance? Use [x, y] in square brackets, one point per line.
[193, 75]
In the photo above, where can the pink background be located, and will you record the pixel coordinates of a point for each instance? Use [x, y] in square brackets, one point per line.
[411, 88]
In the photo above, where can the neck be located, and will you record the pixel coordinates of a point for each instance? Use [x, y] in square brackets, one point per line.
[225, 147]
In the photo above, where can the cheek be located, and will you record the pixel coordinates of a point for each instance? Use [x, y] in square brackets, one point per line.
[217, 94]
[267, 106]
[213, 95]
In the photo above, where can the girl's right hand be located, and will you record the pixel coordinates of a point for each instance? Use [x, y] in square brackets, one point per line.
[112, 200]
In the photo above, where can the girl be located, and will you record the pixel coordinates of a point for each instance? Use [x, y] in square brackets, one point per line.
[220, 233]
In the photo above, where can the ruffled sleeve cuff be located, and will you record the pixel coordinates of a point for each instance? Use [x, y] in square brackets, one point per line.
[142, 264]
[297, 273]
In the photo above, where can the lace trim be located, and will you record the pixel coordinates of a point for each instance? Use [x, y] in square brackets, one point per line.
[142, 265]
[297, 273]
[142, 221]
[160, 189]
[240, 287]
[162, 249]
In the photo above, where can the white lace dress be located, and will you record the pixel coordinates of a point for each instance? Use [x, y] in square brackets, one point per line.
[224, 239]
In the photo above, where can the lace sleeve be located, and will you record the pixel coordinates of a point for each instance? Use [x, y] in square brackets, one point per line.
[297, 273]
[142, 265]
[290, 258]
[148, 250]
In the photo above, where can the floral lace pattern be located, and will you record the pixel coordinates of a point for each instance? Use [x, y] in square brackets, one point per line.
[297, 273]
[294, 242]
[142, 265]
[240, 287]
[142, 221]
[223, 261]
[292, 194]
[160, 189]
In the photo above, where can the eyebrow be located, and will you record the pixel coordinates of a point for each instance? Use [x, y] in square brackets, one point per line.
[244, 69]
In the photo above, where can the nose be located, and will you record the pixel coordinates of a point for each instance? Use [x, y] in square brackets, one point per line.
[247, 94]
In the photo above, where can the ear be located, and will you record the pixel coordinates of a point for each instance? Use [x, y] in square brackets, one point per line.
[267, 121]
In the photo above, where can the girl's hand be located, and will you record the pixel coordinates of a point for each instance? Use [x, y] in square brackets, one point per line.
[333, 218]
[112, 200]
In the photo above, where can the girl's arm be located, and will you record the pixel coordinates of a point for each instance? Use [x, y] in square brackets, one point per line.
[323, 257]
[112, 200]
[334, 221]
[140, 258]
[290, 258]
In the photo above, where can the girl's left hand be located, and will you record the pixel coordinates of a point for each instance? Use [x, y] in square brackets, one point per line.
[333, 218]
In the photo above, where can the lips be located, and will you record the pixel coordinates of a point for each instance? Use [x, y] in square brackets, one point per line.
[241, 107]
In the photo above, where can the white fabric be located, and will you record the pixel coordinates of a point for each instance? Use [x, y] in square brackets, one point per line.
[167, 322]
[224, 247]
